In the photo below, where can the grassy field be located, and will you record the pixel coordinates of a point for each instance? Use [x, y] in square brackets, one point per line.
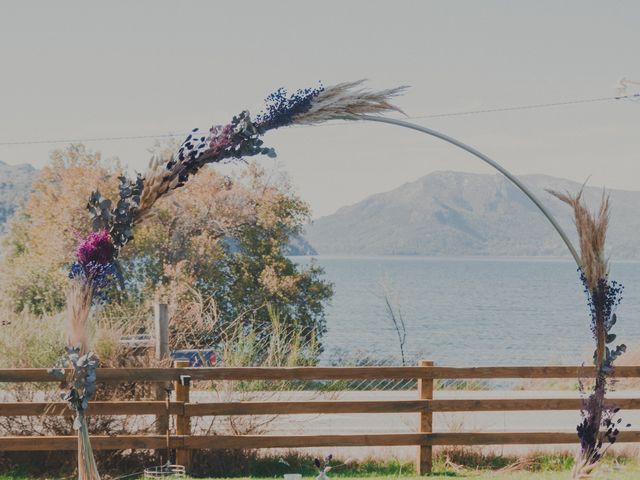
[606, 472]
[624, 473]
[454, 464]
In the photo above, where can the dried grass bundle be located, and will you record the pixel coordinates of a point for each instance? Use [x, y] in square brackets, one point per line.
[603, 295]
[347, 101]
[87, 468]
[79, 299]
[592, 232]
[158, 182]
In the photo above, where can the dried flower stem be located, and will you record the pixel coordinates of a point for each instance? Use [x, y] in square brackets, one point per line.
[79, 298]
[592, 232]
[87, 468]
[603, 296]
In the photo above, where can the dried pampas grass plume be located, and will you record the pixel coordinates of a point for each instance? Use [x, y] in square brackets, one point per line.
[346, 101]
[592, 232]
[79, 298]
[158, 181]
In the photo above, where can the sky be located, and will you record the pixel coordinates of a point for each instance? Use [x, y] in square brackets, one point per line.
[85, 70]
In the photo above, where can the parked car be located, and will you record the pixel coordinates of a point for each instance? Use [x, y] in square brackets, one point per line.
[196, 358]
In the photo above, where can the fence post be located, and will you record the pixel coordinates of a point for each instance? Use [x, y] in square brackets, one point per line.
[161, 325]
[183, 422]
[424, 460]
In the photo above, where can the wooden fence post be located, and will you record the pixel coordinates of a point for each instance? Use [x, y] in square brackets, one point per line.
[183, 422]
[161, 325]
[424, 460]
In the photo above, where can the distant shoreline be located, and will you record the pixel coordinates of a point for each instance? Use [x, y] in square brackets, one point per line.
[460, 258]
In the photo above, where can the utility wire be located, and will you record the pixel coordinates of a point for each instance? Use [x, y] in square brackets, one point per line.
[92, 139]
[530, 107]
[534, 106]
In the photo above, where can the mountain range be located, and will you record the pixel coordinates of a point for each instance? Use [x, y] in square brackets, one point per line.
[441, 214]
[15, 186]
[453, 213]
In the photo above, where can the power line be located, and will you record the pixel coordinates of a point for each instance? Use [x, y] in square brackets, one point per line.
[92, 139]
[532, 106]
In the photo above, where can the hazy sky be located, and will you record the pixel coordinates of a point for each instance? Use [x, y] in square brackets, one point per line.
[75, 70]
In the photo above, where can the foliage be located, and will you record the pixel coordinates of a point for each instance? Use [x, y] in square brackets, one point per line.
[119, 219]
[222, 239]
[218, 238]
[41, 238]
[37, 346]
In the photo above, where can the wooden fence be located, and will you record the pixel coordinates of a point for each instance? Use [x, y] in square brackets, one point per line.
[424, 405]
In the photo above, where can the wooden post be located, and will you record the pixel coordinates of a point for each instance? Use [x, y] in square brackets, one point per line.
[424, 460]
[183, 422]
[161, 324]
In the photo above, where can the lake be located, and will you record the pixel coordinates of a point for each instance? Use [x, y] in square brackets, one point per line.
[469, 311]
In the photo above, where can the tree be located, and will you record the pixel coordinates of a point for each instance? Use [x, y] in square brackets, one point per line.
[218, 242]
[41, 237]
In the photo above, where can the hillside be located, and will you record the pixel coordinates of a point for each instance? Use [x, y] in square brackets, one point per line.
[443, 213]
[15, 185]
[455, 213]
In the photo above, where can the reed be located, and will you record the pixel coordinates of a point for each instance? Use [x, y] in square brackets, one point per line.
[592, 233]
[347, 101]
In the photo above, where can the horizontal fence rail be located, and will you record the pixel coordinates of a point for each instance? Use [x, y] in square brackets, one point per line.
[15, 409]
[317, 373]
[424, 406]
[152, 442]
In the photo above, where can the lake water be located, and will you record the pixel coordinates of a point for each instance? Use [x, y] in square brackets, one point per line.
[470, 311]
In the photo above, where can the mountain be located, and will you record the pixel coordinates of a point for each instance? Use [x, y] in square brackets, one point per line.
[15, 186]
[455, 213]
[298, 245]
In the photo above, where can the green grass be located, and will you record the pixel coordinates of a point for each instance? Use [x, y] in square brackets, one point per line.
[606, 472]
[625, 472]
[453, 464]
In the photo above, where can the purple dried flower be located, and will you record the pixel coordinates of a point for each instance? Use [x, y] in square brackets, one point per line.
[220, 138]
[97, 248]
